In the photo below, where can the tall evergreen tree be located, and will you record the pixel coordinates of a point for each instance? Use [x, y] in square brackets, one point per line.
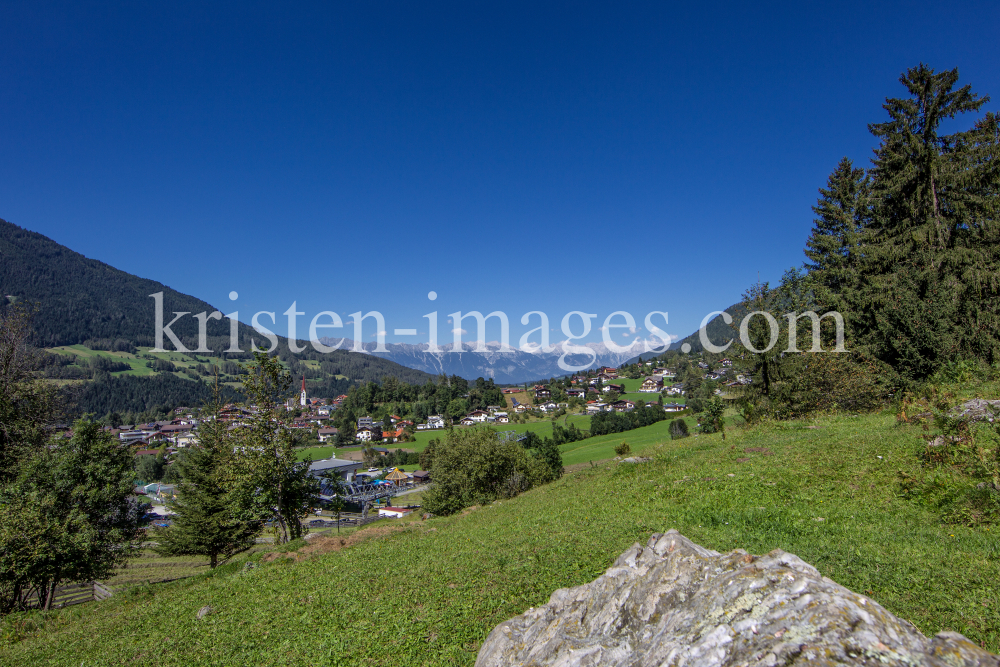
[929, 287]
[842, 214]
[204, 523]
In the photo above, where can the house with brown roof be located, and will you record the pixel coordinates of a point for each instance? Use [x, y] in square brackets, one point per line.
[652, 384]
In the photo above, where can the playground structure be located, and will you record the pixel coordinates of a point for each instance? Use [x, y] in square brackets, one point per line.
[366, 493]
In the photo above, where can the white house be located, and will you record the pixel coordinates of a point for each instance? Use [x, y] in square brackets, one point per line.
[652, 384]
[435, 421]
[365, 434]
[393, 512]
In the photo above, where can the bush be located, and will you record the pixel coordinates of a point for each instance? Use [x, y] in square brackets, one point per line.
[622, 449]
[963, 479]
[473, 467]
[678, 429]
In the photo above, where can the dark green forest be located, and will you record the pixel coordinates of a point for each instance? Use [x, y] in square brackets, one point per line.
[84, 301]
[130, 394]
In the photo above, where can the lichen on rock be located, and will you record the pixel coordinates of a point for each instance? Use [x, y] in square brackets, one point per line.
[674, 602]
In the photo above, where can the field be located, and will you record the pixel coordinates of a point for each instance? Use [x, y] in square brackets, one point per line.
[152, 568]
[542, 427]
[316, 453]
[428, 592]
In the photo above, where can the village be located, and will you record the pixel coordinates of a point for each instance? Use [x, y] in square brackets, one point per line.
[362, 457]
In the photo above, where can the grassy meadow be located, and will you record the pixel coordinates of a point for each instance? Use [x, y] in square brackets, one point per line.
[428, 592]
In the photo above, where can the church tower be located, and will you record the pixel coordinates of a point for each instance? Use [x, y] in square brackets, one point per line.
[302, 397]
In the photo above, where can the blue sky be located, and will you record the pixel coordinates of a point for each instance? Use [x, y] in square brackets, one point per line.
[513, 157]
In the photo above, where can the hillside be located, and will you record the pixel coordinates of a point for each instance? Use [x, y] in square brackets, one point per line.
[717, 330]
[83, 300]
[428, 592]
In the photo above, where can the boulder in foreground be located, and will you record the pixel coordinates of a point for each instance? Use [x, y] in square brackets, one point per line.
[674, 602]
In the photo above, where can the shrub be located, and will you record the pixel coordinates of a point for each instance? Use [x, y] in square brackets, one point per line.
[473, 467]
[678, 429]
[622, 449]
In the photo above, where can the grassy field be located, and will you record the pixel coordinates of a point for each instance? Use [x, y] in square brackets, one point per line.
[316, 453]
[542, 427]
[152, 568]
[428, 592]
[603, 447]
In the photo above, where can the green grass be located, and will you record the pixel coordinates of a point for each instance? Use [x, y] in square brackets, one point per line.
[316, 453]
[429, 594]
[630, 385]
[151, 568]
[542, 427]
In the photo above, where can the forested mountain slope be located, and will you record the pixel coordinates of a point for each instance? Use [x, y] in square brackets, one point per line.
[83, 300]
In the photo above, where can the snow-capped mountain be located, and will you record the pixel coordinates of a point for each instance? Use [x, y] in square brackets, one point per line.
[510, 367]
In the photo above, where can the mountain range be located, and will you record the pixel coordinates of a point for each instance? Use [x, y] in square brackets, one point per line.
[504, 367]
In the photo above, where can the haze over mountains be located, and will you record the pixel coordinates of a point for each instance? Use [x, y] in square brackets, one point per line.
[513, 366]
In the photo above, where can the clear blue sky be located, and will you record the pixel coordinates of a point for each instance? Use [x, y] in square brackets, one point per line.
[535, 156]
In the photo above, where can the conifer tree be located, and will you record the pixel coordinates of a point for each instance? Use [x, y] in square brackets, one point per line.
[929, 289]
[204, 523]
[842, 213]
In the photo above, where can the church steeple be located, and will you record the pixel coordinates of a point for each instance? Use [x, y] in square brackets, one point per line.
[302, 398]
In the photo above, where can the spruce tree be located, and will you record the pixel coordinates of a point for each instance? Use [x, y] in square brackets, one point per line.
[842, 213]
[928, 288]
[204, 523]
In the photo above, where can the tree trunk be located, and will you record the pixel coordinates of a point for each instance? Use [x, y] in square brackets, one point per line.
[215, 560]
[51, 593]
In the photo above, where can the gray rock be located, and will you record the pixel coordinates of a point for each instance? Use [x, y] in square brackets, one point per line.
[978, 409]
[204, 611]
[676, 603]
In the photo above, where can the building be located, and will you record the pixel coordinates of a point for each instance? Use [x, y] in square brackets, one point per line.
[623, 406]
[365, 434]
[129, 437]
[478, 415]
[393, 512]
[542, 392]
[347, 470]
[575, 392]
[302, 397]
[435, 421]
[652, 384]
[327, 434]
